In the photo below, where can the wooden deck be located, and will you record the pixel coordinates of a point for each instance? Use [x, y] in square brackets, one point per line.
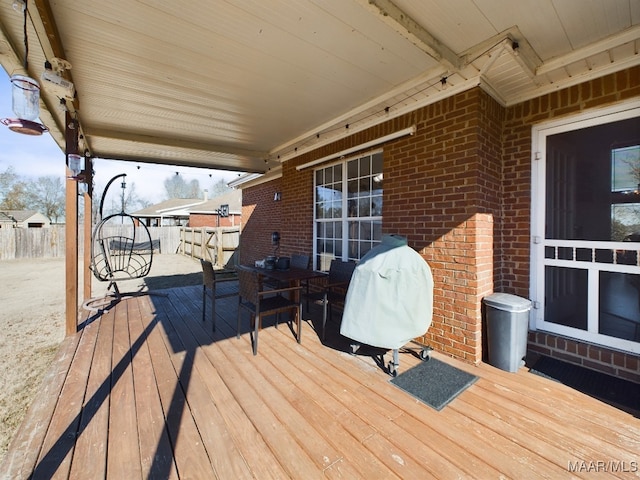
[145, 391]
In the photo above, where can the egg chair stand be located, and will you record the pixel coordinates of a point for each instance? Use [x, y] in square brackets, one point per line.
[121, 249]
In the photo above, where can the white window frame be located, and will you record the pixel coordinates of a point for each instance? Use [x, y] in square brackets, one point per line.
[345, 218]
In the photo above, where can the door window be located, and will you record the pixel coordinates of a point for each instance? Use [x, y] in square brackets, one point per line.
[586, 230]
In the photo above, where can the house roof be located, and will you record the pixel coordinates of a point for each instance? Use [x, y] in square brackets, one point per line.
[168, 207]
[185, 206]
[10, 216]
[232, 198]
[247, 85]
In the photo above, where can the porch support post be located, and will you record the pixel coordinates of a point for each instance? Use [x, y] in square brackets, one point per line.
[71, 230]
[88, 214]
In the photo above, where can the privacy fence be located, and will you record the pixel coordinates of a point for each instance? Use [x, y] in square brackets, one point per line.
[216, 244]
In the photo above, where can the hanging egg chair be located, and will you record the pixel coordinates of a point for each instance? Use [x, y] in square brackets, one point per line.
[121, 247]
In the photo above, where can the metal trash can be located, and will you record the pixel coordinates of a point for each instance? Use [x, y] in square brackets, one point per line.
[507, 319]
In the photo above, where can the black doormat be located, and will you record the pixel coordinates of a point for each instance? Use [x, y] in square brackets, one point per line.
[613, 390]
[434, 382]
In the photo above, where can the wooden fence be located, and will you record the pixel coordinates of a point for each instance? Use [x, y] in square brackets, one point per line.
[50, 242]
[32, 242]
[218, 245]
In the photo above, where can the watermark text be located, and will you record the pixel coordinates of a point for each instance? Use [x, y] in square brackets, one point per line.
[603, 466]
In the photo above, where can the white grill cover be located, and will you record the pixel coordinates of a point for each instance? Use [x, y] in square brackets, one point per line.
[390, 298]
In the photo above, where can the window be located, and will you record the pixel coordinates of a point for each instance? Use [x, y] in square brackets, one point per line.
[348, 209]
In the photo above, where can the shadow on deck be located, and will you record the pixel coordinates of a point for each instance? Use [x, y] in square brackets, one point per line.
[147, 390]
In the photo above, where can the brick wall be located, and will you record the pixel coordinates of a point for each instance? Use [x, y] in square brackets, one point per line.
[197, 220]
[261, 215]
[594, 357]
[440, 191]
[459, 190]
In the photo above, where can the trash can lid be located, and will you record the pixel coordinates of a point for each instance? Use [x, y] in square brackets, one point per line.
[508, 302]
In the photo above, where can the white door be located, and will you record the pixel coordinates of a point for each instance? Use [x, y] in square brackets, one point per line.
[585, 251]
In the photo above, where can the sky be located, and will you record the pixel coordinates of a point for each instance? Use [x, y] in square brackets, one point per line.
[39, 156]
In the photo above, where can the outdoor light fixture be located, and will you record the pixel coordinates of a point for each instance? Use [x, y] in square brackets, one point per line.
[75, 163]
[25, 93]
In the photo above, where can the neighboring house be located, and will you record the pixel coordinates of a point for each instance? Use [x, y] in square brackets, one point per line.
[466, 179]
[222, 211]
[194, 212]
[23, 219]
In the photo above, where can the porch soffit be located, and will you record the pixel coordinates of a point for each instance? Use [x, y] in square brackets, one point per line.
[247, 86]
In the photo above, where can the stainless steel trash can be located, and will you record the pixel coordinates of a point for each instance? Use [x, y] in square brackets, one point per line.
[507, 318]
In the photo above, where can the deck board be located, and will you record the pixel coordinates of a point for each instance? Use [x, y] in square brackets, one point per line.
[57, 449]
[147, 390]
[156, 454]
[94, 421]
[21, 459]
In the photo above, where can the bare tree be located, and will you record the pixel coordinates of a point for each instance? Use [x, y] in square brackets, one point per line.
[49, 198]
[176, 187]
[219, 187]
[15, 192]
[7, 180]
[119, 200]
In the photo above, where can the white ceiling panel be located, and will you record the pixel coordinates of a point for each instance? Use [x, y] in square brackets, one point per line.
[244, 84]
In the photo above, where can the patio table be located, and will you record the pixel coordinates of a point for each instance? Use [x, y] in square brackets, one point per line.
[291, 276]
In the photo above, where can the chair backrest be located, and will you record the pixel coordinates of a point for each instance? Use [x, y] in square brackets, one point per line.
[341, 272]
[208, 277]
[249, 285]
[300, 261]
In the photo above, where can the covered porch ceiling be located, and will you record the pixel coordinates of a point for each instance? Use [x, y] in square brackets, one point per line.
[245, 85]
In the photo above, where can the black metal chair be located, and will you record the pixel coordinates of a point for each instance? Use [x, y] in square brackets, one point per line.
[333, 290]
[210, 280]
[260, 302]
[300, 261]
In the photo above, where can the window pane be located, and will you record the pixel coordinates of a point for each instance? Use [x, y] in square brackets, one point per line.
[365, 230]
[625, 164]
[588, 182]
[365, 166]
[365, 186]
[338, 248]
[377, 231]
[364, 209]
[328, 176]
[353, 208]
[566, 296]
[353, 189]
[361, 223]
[352, 169]
[335, 210]
[619, 315]
[337, 173]
[328, 229]
[376, 206]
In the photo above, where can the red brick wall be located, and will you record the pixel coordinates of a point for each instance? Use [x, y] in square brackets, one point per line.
[261, 215]
[440, 191]
[459, 190]
[197, 220]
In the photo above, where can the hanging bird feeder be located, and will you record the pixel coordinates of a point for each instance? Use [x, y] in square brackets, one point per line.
[25, 93]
